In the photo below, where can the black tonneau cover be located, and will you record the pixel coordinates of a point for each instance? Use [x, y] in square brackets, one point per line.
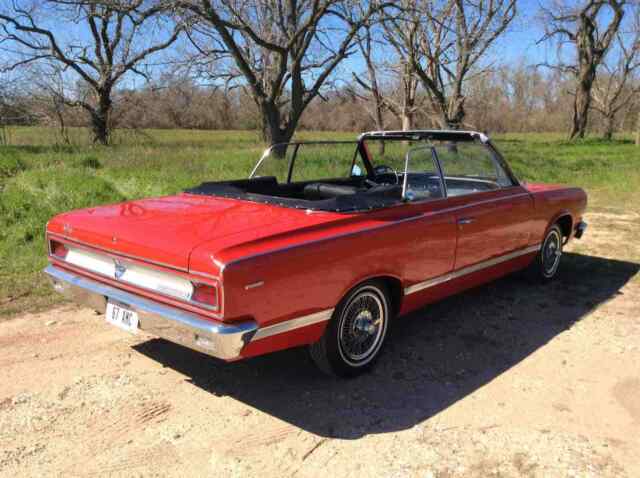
[360, 201]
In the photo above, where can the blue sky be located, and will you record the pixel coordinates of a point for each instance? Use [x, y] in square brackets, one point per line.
[517, 46]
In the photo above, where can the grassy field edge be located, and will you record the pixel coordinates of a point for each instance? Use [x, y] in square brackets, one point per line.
[39, 178]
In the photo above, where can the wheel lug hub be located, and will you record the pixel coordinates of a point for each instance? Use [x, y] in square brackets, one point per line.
[364, 323]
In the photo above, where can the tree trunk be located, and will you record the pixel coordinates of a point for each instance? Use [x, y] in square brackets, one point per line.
[62, 125]
[380, 122]
[379, 114]
[409, 86]
[100, 118]
[609, 127]
[455, 112]
[407, 120]
[582, 102]
[449, 114]
[272, 131]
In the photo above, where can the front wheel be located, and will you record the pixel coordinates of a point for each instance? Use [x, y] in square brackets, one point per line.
[546, 264]
[357, 330]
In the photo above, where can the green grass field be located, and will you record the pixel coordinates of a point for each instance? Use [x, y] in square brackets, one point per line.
[39, 179]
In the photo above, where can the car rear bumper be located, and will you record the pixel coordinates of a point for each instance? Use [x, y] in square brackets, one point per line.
[224, 341]
[580, 228]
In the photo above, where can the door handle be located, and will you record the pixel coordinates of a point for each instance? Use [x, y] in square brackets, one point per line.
[465, 220]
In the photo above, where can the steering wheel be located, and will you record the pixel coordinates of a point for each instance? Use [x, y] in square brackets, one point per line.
[384, 169]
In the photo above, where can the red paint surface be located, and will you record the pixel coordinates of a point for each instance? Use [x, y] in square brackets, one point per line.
[309, 261]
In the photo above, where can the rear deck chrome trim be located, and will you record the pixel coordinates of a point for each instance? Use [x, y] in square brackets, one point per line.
[73, 240]
[289, 325]
[470, 269]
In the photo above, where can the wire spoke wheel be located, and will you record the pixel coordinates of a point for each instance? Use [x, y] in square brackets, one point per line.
[551, 253]
[361, 327]
[355, 335]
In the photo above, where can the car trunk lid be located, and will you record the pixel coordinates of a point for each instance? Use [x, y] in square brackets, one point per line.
[165, 230]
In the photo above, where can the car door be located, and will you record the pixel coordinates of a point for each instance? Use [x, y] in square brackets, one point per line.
[426, 229]
[492, 211]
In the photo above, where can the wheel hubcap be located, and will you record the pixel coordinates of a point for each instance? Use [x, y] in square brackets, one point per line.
[364, 323]
[361, 328]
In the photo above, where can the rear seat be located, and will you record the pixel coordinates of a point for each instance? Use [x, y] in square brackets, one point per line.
[327, 191]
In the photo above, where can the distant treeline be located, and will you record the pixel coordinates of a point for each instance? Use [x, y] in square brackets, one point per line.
[510, 99]
[279, 66]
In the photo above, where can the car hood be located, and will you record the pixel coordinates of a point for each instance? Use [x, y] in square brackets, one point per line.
[166, 230]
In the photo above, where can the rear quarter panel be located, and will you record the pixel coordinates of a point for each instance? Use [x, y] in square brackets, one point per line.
[553, 201]
[308, 274]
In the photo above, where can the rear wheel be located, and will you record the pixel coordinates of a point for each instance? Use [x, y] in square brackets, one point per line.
[546, 264]
[355, 335]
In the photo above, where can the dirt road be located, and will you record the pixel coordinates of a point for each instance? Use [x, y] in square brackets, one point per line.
[506, 380]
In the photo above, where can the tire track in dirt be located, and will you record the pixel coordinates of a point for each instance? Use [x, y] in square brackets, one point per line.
[122, 431]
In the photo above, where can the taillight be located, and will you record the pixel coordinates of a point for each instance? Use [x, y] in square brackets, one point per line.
[205, 294]
[58, 249]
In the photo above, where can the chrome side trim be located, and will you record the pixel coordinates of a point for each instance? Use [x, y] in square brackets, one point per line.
[289, 325]
[214, 338]
[470, 269]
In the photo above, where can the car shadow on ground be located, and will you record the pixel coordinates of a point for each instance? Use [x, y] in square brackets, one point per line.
[433, 358]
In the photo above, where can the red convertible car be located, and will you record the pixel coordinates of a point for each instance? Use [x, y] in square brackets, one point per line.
[322, 246]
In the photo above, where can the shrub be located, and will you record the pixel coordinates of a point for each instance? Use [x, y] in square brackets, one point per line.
[10, 165]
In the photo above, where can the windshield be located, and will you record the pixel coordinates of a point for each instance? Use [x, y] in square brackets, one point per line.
[298, 162]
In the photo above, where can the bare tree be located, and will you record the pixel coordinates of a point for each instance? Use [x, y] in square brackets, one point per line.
[590, 28]
[404, 104]
[283, 51]
[372, 86]
[46, 87]
[616, 88]
[398, 96]
[445, 42]
[117, 38]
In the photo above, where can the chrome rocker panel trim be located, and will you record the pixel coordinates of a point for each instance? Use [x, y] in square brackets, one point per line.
[224, 341]
[293, 324]
[470, 269]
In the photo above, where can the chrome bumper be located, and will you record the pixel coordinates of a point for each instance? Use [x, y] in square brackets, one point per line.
[224, 341]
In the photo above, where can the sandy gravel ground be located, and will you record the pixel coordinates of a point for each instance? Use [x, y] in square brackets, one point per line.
[507, 380]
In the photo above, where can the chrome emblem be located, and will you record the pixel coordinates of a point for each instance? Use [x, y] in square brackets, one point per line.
[120, 270]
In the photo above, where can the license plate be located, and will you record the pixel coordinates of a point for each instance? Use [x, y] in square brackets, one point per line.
[121, 316]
